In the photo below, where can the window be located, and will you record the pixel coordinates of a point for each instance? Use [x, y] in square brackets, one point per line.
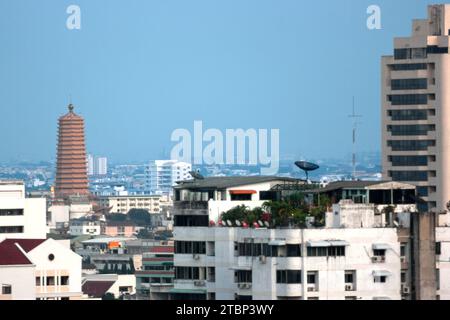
[408, 161]
[408, 115]
[312, 277]
[411, 130]
[50, 281]
[379, 279]
[241, 197]
[64, 280]
[438, 248]
[408, 66]
[403, 277]
[403, 250]
[379, 252]
[408, 99]
[409, 84]
[289, 276]
[293, 250]
[410, 53]
[350, 277]
[38, 281]
[269, 195]
[11, 212]
[6, 289]
[436, 50]
[411, 145]
[11, 229]
[332, 251]
[409, 175]
[191, 221]
[422, 191]
[243, 276]
[189, 273]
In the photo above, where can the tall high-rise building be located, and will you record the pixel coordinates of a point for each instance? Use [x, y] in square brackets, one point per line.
[97, 166]
[71, 168]
[90, 164]
[416, 110]
[161, 175]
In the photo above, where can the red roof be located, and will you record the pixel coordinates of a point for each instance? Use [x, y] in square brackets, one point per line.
[162, 249]
[96, 289]
[10, 255]
[26, 244]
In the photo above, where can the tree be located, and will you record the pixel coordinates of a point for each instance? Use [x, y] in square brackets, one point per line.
[144, 234]
[140, 217]
[116, 217]
[108, 296]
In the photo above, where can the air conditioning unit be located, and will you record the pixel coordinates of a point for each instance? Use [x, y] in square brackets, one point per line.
[199, 283]
[378, 259]
[311, 289]
[403, 259]
[196, 256]
[348, 287]
[405, 290]
[248, 286]
[241, 285]
[262, 259]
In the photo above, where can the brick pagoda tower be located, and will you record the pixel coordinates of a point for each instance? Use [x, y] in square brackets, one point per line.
[71, 167]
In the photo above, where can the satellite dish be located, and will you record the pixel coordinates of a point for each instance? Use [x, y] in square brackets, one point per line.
[266, 223]
[196, 175]
[238, 223]
[261, 224]
[306, 167]
[229, 223]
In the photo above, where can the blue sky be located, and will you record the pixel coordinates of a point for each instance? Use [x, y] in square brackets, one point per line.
[139, 69]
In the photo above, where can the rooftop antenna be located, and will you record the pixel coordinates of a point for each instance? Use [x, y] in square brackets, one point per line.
[354, 117]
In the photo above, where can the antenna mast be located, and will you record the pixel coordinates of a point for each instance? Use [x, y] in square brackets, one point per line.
[354, 117]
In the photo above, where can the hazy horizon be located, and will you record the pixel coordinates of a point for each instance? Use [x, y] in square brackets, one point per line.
[138, 70]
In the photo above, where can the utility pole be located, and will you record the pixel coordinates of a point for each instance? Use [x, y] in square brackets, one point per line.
[354, 117]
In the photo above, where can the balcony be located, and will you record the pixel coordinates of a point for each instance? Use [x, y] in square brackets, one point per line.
[191, 208]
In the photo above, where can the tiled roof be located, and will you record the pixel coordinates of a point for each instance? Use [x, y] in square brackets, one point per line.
[26, 244]
[10, 254]
[96, 289]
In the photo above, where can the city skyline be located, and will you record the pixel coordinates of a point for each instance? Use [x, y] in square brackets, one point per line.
[134, 90]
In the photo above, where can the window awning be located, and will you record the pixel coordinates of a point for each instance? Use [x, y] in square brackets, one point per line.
[381, 273]
[380, 246]
[327, 243]
[277, 242]
[243, 192]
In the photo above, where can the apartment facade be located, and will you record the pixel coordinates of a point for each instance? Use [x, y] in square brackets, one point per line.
[123, 204]
[21, 217]
[155, 280]
[415, 108]
[83, 227]
[161, 175]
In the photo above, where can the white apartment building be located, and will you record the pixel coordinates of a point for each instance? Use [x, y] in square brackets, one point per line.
[123, 204]
[21, 217]
[415, 110]
[362, 252]
[161, 175]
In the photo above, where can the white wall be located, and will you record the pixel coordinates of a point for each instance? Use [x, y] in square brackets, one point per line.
[21, 278]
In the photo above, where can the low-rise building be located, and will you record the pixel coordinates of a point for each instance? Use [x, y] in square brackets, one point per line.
[17, 274]
[56, 269]
[81, 227]
[118, 229]
[155, 280]
[123, 204]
